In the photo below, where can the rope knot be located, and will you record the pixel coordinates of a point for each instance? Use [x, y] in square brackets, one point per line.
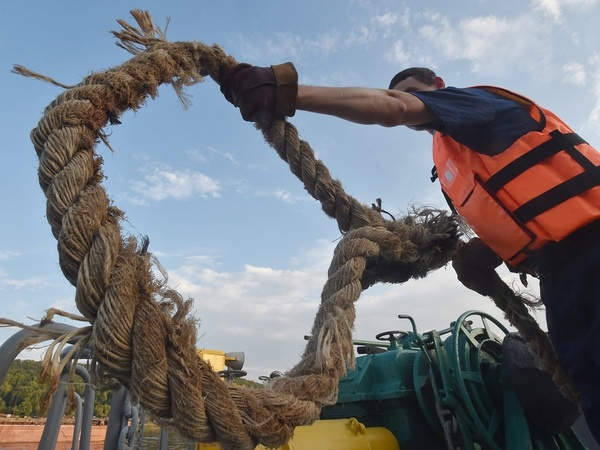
[410, 247]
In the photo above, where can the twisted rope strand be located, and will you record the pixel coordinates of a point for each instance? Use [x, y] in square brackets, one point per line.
[516, 312]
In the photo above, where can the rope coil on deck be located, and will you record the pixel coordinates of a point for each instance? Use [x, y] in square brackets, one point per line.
[142, 334]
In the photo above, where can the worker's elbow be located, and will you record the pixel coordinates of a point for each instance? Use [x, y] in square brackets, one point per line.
[394, 116]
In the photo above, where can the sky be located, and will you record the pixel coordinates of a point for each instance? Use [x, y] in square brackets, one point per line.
[226, 218]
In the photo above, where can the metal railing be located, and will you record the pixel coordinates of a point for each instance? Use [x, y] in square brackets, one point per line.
[125, 422]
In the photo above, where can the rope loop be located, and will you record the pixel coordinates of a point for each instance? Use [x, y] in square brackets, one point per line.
[141, 334]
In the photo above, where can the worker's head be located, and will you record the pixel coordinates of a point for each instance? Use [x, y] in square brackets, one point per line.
[416, 79]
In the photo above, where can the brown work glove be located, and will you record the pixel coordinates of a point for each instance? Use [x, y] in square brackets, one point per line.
[251, 88]
[475, 265]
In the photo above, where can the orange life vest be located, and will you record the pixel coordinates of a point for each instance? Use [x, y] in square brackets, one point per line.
[541, 189]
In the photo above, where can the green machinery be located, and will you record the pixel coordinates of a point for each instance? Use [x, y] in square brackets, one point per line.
[458, 388]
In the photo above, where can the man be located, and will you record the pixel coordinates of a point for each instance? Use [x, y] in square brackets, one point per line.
[524, 182]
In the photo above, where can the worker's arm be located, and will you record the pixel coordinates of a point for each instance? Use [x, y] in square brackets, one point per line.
[276, 89]
[369, 106]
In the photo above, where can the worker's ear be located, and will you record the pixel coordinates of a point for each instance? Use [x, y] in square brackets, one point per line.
[439, 83]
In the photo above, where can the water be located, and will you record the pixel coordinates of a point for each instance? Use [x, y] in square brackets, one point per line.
[151, 440]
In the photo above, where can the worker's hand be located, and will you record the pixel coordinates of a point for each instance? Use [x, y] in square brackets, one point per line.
[251, 88]
[475, 265]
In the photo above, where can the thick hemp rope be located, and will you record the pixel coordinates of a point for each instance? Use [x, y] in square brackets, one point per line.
[516, 312]
[142, 334]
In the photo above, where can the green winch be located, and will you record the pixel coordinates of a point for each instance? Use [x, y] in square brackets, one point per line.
[471, 386]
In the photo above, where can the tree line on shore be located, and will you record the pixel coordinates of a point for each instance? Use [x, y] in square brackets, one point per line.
[22, 391]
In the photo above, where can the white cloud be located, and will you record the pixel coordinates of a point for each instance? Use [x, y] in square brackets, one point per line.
[296, 47]
[385, 23]
[263, 311]
[266, 311]
[554, 8]
[550, 7]
[574, 73]
[593, 120]
[278, 193]
[378, 28]
[254, 309]
[201, 157]
[287, 45]
[228, 156]
[399, 54]
[32, 283]
[288, 197]
[361, 35]
[323, 44]
[317, 255]
[65, 304]
[493, 45]
[386, 20]
[8, 254]
[405, 18]
[282, 44]
[161, 183]
[197, 156]
[433, 302]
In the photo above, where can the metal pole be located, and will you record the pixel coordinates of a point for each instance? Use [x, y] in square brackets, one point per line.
[77, 426]
[88, 408]
[163, 441]
[117, 407]
[55, 415]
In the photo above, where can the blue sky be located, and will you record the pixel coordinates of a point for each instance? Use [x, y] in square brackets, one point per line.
[226, 218]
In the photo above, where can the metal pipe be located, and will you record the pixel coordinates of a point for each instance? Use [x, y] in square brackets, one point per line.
[77, 426]
[117, 407]
[163, 441]
[88, 408]
[55, 415]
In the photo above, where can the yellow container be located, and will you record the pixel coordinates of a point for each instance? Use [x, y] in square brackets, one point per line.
[341, 434]
[334, 434]
[216, 358]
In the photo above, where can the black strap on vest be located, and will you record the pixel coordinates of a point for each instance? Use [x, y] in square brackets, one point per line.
[559, 194]
[556, 196]
[557, 143]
